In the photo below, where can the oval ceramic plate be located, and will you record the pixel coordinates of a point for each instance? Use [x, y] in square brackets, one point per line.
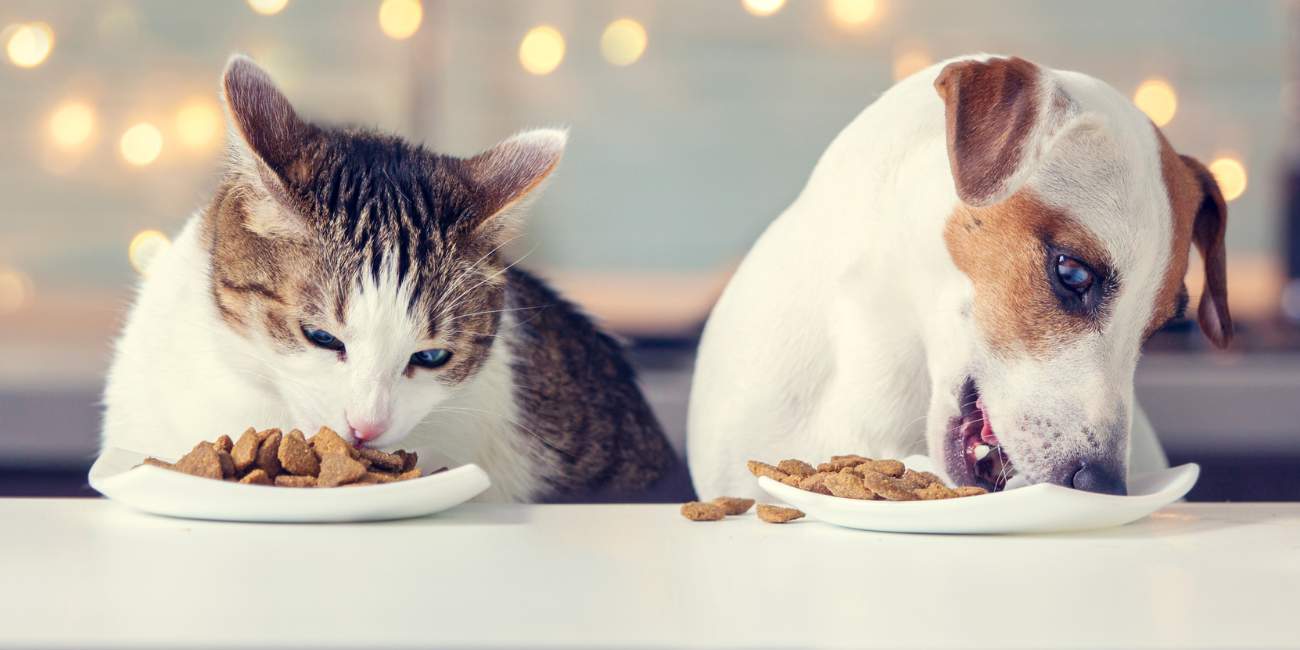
[1037, 508]
[118, 475]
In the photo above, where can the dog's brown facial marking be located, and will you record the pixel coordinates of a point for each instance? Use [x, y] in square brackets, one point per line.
[1004, 249]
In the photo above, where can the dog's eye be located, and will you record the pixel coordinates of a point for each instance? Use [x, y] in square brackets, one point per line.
[431, 358]
[322, 339]
[1074, 274]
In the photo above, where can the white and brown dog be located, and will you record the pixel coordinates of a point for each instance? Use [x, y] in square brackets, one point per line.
[971, 273]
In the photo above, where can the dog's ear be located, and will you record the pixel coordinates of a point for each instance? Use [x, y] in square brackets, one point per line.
[1000, 114]
[1208, 230]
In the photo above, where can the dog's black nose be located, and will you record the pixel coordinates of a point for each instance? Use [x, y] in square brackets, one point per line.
[1099, 478]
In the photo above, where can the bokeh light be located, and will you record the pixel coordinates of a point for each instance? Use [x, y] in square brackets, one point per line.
[141, 144]
[623, 42]
[909, 62]
[71, 125]
[198, 124]
[1230, 173]
[145, 248]
[267, 7]
[852, 14]
[1156, 98]
[542, 50]
[400, 19]
[15, 290]
[762, 7]
[28, 44]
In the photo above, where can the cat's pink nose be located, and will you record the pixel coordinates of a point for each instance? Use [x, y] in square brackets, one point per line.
[367, 430]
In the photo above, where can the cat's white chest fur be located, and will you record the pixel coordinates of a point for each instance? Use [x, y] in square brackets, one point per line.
[181, 374]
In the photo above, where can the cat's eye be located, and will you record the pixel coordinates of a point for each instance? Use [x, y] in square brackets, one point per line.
[1075, 275]
[322, 339]
[431, 358]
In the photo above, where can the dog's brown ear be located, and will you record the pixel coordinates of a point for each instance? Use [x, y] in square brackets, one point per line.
[999, 113]
[1208, 230]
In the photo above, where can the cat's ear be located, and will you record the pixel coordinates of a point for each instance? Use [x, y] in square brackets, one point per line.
[509, 174]
[266, 140]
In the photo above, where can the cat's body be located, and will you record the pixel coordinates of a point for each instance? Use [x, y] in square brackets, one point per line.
[440, 344]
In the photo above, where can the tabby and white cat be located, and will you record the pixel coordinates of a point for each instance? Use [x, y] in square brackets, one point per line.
[349, 279]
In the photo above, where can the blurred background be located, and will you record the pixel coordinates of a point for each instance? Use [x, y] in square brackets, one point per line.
[693, 124]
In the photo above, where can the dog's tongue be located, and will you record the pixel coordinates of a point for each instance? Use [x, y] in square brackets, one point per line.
[986, 431]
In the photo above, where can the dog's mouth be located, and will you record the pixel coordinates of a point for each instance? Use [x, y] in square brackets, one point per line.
[975, 457]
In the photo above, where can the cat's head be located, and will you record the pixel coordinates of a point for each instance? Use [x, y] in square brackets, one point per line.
[362, 272]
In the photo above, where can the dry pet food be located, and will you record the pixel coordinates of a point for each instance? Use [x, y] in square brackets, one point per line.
[777, 514]
[852, 476]
[270, 457]
[734, 505]
[702, 511]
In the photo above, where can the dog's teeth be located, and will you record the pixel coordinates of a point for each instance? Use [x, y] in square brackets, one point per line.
[981, 451]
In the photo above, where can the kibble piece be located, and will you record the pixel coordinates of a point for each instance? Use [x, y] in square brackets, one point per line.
[339, 469]
[886, 486]
[416, 473]
[890, 468]
[935, 491]
[223, 443]
[758, 468]
[849, 460]
[244, 451]
[201, 461]
[969, 490]
[700, 511]
[374, 478]
[916, 480]
[734, 505]
[409, 460]
[158, 463]
[227, 464]
[256, 477]
[383, 460]
[296, 457]
[849, 486]
[268, 452]
[328, 441]
[791, 480]
[796, 467]
[289, 480]
[777, 514]
[816, 483]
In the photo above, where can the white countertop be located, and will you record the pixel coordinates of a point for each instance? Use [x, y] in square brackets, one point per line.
[89, 574]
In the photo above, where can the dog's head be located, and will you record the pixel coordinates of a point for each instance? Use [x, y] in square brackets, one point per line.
[1071, 237]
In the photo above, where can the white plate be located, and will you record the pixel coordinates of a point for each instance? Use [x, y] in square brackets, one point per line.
[1037, 508]
[118, 476]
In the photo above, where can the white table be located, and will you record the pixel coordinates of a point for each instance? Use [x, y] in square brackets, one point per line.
[89, 573]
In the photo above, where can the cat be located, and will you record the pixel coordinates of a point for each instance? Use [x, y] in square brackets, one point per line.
[348, 279]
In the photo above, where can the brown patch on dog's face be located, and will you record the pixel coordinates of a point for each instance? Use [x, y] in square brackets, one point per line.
[1004, 249]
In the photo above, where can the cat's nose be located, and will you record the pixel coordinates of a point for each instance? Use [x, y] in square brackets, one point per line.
[367, 430]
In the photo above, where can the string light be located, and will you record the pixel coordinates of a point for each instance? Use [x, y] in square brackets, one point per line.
[852, 14]
[145, 248]
[542, 50]
[267, 7]
[909, 62]
[141, 144]
[15, 290]
[400, 19]
[762, 7]
[71, 125]
[198, 124]
[28, 44]
[1156, 98]
[623, 42]
[1230, 174]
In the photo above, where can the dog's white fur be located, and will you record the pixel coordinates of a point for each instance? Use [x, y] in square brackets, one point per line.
[848, 328]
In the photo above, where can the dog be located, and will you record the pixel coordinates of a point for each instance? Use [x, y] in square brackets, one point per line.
[970, 273]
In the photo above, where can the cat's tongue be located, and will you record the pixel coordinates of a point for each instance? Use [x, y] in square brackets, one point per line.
[986, 431]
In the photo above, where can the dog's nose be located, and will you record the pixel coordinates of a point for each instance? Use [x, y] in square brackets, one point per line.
[1095, 477]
